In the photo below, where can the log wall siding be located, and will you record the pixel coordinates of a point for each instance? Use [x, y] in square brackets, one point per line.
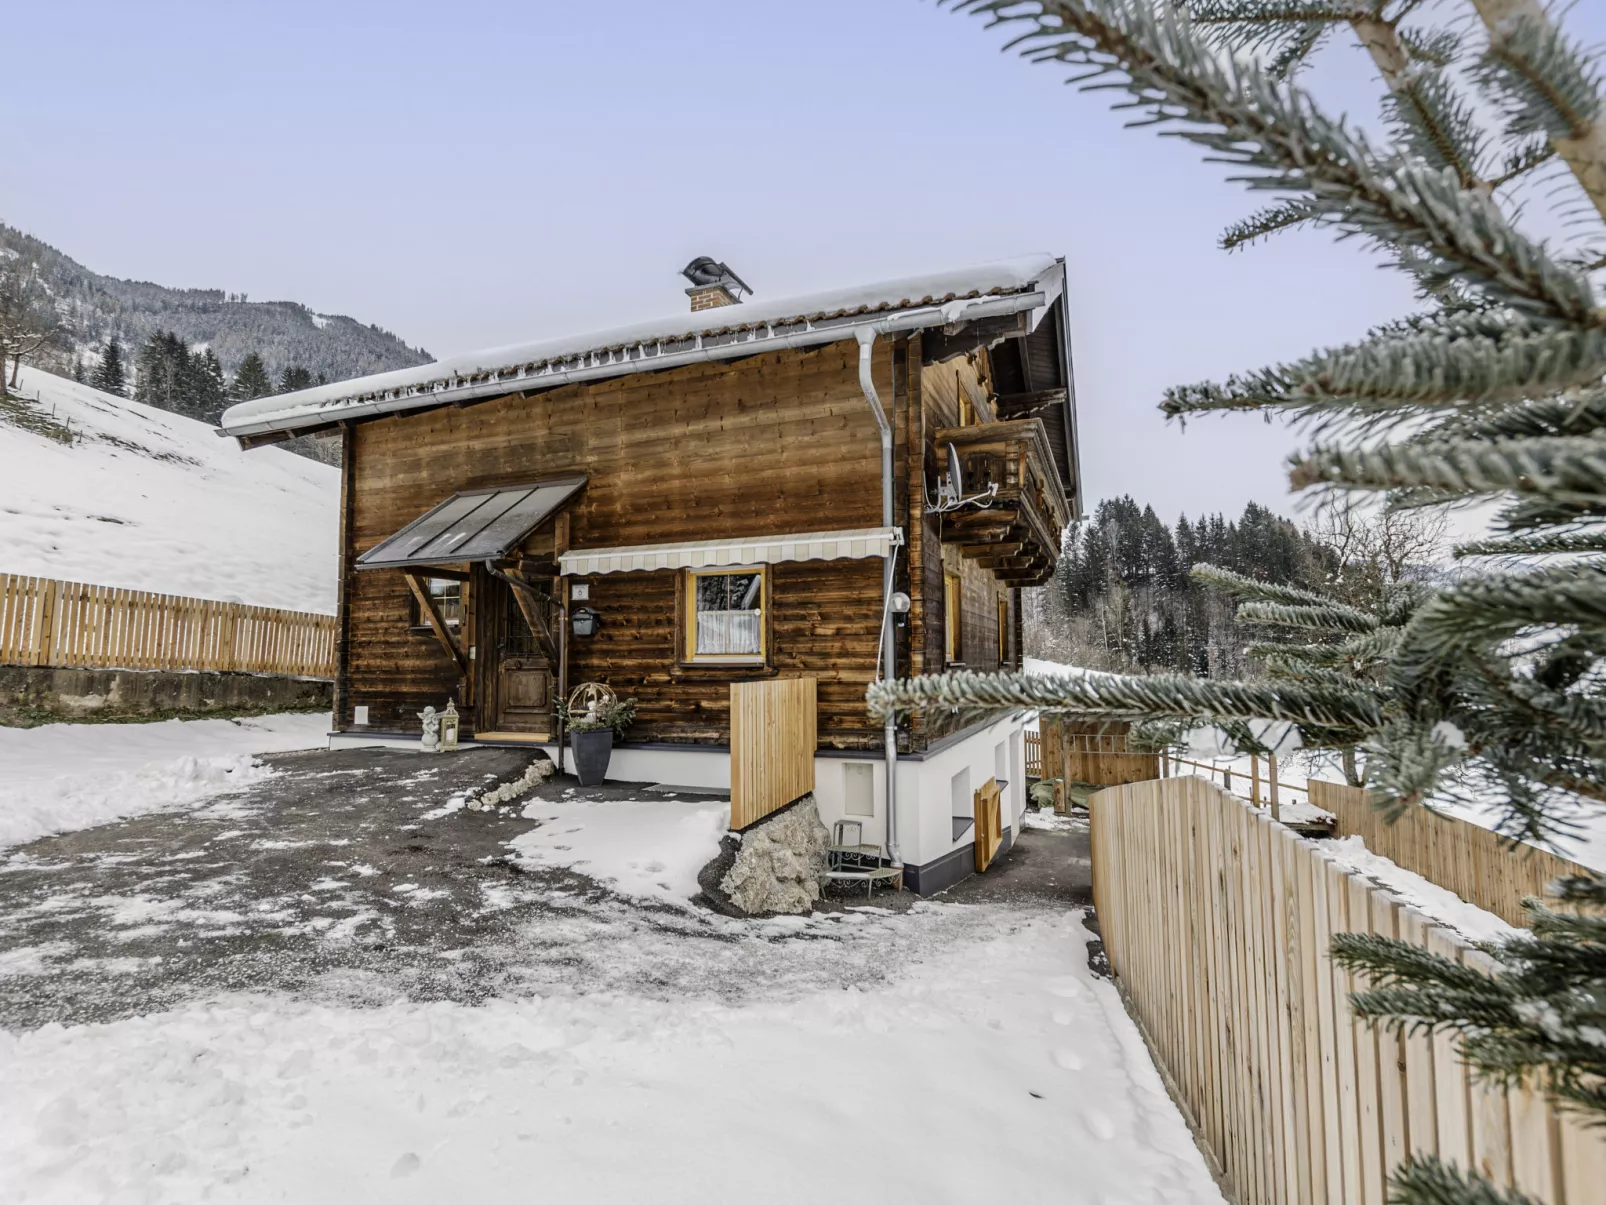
[776, 443]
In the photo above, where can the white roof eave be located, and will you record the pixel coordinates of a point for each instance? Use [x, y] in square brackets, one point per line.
[658, 345]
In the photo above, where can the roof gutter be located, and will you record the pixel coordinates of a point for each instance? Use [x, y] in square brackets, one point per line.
[619, 363]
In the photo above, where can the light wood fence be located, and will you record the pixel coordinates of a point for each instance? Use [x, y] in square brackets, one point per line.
[1217, 922]
[1034, 754]
[1477, 864]
[774, 733]
[70, 624]
[1095, 754]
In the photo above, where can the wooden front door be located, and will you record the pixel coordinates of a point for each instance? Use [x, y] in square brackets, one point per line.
[518, 675]
[525, 696]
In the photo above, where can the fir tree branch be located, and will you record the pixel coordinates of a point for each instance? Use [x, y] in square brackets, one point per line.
[1536, 545]
[1425, 1180]
[1284, 144]
[1122, 697]
[1265, 222]
[1331, 617]
[1550, 85]
[1561, 468]
[1480, 612]
[1417, 370]
[1239, 586]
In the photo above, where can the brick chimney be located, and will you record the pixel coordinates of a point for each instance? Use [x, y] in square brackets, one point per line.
[707, 297]
[713, 284]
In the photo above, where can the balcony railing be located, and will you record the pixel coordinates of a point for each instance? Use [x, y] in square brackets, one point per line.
[1017, 536]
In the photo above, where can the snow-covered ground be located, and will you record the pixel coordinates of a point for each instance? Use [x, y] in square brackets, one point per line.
[60, 777]
[647, 848]
[148, 500]
[997, 1068]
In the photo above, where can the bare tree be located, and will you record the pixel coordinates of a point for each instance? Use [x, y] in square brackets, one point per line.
[1378, 546]
[1375, 547]
[28, 321]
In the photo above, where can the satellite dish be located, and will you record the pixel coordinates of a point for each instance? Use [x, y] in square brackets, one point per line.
[956, 479]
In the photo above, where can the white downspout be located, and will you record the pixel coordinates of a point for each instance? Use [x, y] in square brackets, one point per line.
[889, 655]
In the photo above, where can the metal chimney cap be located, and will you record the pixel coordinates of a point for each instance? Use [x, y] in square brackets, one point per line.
[706, 271]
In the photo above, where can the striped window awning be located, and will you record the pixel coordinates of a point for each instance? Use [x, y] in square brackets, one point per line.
[756, 550]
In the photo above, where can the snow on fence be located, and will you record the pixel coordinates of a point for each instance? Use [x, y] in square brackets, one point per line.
[1217, 923]
[70, 624]
[774, 734]
[1476, 863]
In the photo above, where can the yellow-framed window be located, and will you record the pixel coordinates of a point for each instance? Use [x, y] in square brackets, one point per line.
[953, 611]
[725, 612]
[1003, 631]
[967, 409]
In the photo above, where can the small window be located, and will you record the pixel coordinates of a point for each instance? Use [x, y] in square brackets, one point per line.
[725, 614]
[1003, 631]
[448, 596]
[858, 788]
[953, 612]
[967, 409]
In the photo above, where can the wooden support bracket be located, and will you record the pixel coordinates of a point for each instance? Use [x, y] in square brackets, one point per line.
[427, 608]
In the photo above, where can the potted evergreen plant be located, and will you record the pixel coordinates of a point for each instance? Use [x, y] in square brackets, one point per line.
[593, 715]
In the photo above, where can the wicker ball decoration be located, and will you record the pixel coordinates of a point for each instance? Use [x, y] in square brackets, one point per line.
[589, 698]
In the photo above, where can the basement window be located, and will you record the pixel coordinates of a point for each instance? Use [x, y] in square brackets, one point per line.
[448, 596]
[724, 611]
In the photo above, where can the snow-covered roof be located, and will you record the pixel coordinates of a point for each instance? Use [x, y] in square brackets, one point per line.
[1030, 283]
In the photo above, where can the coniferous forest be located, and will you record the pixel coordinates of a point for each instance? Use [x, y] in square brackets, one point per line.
[1122, 598]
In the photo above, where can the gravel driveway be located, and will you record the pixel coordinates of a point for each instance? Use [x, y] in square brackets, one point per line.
[347, 878]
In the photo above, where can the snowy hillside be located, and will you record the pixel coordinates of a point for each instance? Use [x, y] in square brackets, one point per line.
[148, 500]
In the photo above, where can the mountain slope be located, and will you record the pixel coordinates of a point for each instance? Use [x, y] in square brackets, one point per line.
[284, 333]
[148, 500]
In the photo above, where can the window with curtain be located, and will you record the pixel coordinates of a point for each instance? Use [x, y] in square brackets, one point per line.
[725, 614]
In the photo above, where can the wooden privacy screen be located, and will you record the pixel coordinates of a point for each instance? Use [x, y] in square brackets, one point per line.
[1217, 923]
[1095, 754]
[774, 733]
[1477, 864]
[989, 823]
[47, 622]
[1034, 755]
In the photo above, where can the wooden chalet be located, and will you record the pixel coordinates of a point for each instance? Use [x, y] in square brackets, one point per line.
[718, 496]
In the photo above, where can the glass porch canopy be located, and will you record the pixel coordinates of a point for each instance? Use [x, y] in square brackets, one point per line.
[475, 525]
[748, 550]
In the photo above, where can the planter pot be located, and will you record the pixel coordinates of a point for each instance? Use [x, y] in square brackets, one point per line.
[591, 753]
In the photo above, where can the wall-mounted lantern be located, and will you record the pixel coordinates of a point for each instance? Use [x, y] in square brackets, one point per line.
[583, 620]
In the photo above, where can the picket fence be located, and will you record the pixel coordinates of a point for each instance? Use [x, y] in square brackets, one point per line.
[1476, 863]
[74, 625]
[1217, 922]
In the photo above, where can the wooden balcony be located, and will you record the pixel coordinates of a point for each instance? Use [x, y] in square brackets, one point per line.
[1017, 537]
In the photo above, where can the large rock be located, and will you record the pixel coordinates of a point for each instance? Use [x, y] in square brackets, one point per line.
[777, 865]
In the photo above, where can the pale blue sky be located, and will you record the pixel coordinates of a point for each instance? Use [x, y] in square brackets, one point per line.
[486, 171]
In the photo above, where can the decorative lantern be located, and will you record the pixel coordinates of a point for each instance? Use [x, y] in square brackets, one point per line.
[449, 721]
[584, 621]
